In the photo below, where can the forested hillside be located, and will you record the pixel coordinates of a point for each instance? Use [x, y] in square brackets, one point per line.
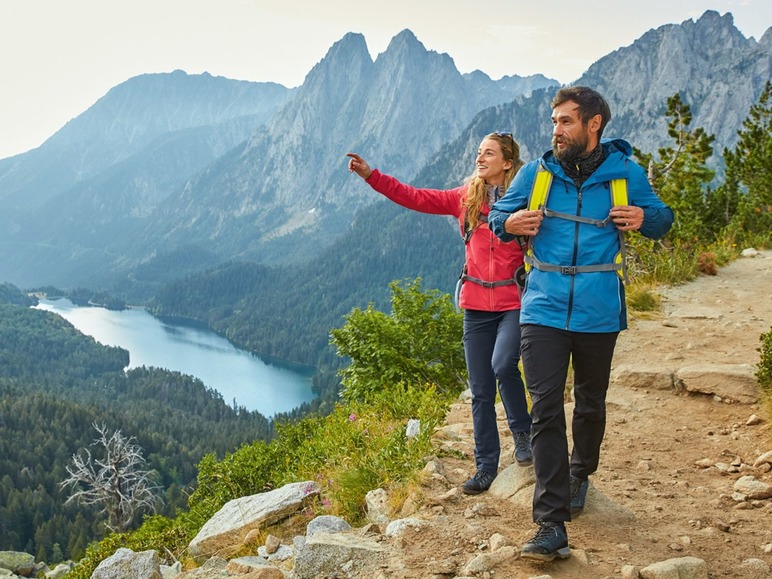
[288, 312]
[55, 384]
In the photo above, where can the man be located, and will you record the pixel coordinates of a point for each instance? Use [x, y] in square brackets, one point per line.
[573, 305]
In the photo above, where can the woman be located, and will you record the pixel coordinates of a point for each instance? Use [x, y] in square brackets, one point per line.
[489, 296]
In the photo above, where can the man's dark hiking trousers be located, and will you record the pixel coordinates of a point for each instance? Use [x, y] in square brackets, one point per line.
[492, 349]
[546, 353]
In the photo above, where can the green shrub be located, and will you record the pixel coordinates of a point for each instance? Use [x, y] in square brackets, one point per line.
[418, 343]
[764, 370]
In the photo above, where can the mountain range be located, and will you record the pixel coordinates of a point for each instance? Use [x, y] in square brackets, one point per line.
[169, 175]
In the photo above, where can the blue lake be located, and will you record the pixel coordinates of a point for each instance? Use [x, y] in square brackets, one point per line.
[238, 375]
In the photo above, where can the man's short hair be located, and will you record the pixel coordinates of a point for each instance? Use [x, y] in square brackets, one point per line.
[590, 103]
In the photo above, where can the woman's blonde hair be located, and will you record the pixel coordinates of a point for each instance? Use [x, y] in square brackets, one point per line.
[477, 191]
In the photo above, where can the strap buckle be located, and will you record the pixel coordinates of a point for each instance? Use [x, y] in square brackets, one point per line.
[568, 269]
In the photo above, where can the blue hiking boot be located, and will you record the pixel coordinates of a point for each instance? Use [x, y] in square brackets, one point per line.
[523, 452]
[550, 542]
[578, 495]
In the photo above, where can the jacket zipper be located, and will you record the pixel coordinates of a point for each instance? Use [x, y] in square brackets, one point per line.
[573, 259]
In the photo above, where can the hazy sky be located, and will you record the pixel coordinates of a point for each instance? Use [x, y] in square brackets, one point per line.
[58, 57]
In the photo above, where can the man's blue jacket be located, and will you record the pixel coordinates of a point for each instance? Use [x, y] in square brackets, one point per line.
[590, 301]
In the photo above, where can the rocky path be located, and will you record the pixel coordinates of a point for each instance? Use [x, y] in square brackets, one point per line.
[684, 488]
[683, 436]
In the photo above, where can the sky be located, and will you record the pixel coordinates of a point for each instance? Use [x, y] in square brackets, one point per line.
[58, 57]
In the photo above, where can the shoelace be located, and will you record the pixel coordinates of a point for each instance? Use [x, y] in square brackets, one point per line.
[544, 534]
[521, 441]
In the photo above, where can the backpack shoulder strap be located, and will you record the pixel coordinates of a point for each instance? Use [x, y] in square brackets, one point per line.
[619, 192]
[619, 197]
[541, 189]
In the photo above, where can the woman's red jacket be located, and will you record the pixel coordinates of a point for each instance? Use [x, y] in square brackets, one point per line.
[487, 258]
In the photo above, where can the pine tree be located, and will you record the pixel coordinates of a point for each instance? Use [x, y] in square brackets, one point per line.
[745, 200]
[681, 175]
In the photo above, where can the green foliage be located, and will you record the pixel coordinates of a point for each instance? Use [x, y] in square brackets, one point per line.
[361, 445]
[745, 200]
[10, 294]
[287, 312]
[681, 174]
[355, 445]
[735, 215]
[356, 448]
[54, 383]
[764, 370]
[420, 342]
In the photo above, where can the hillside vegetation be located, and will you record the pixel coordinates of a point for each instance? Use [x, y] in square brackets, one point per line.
[355, 448]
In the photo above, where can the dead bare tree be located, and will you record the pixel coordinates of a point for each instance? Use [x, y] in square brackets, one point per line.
[118, 483]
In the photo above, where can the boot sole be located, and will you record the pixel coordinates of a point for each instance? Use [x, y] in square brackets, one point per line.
[472, 491]
[563, 553]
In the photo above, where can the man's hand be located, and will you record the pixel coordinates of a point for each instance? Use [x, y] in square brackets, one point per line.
[627, 217]
[524, 222]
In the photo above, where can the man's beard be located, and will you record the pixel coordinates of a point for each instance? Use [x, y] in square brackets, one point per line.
[572, 150]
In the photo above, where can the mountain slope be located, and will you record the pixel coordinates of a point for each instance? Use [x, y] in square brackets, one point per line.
[287, 194]
[718, 72]
[129, 117]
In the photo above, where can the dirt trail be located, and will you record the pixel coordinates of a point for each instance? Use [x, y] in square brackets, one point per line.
[650, 500]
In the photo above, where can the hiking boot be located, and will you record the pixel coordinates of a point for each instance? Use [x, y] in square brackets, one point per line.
[523, 453]
[549, 542]
[479, 483]
[578, 495]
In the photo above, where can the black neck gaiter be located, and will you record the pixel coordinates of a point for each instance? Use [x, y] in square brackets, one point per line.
[579, 170]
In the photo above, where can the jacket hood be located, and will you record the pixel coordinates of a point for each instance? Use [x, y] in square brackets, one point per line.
[619, 144]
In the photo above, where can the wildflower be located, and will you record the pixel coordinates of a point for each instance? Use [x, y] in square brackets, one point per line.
[352, 417]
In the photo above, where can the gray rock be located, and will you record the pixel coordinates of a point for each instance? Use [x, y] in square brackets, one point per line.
[17, 562]
[643, 376]
[327, 524]
[283, 553]
[765, 458]
[337, 555]
[377, 506]
[171, 571]
[755, 568]
[751, 488]
[59, 571]
[401, 526]
[413, 428]
[512, 480]
[486, 562]
[733, 381]
[126, 564]
[223, 534]
[681, 568]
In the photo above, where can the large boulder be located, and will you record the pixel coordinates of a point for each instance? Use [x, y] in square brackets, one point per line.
[17, 562]
[126, 564]
[338, 555]
[732, 381]
[225, 532]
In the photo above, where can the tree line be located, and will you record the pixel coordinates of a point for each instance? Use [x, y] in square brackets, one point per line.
[55, 383]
